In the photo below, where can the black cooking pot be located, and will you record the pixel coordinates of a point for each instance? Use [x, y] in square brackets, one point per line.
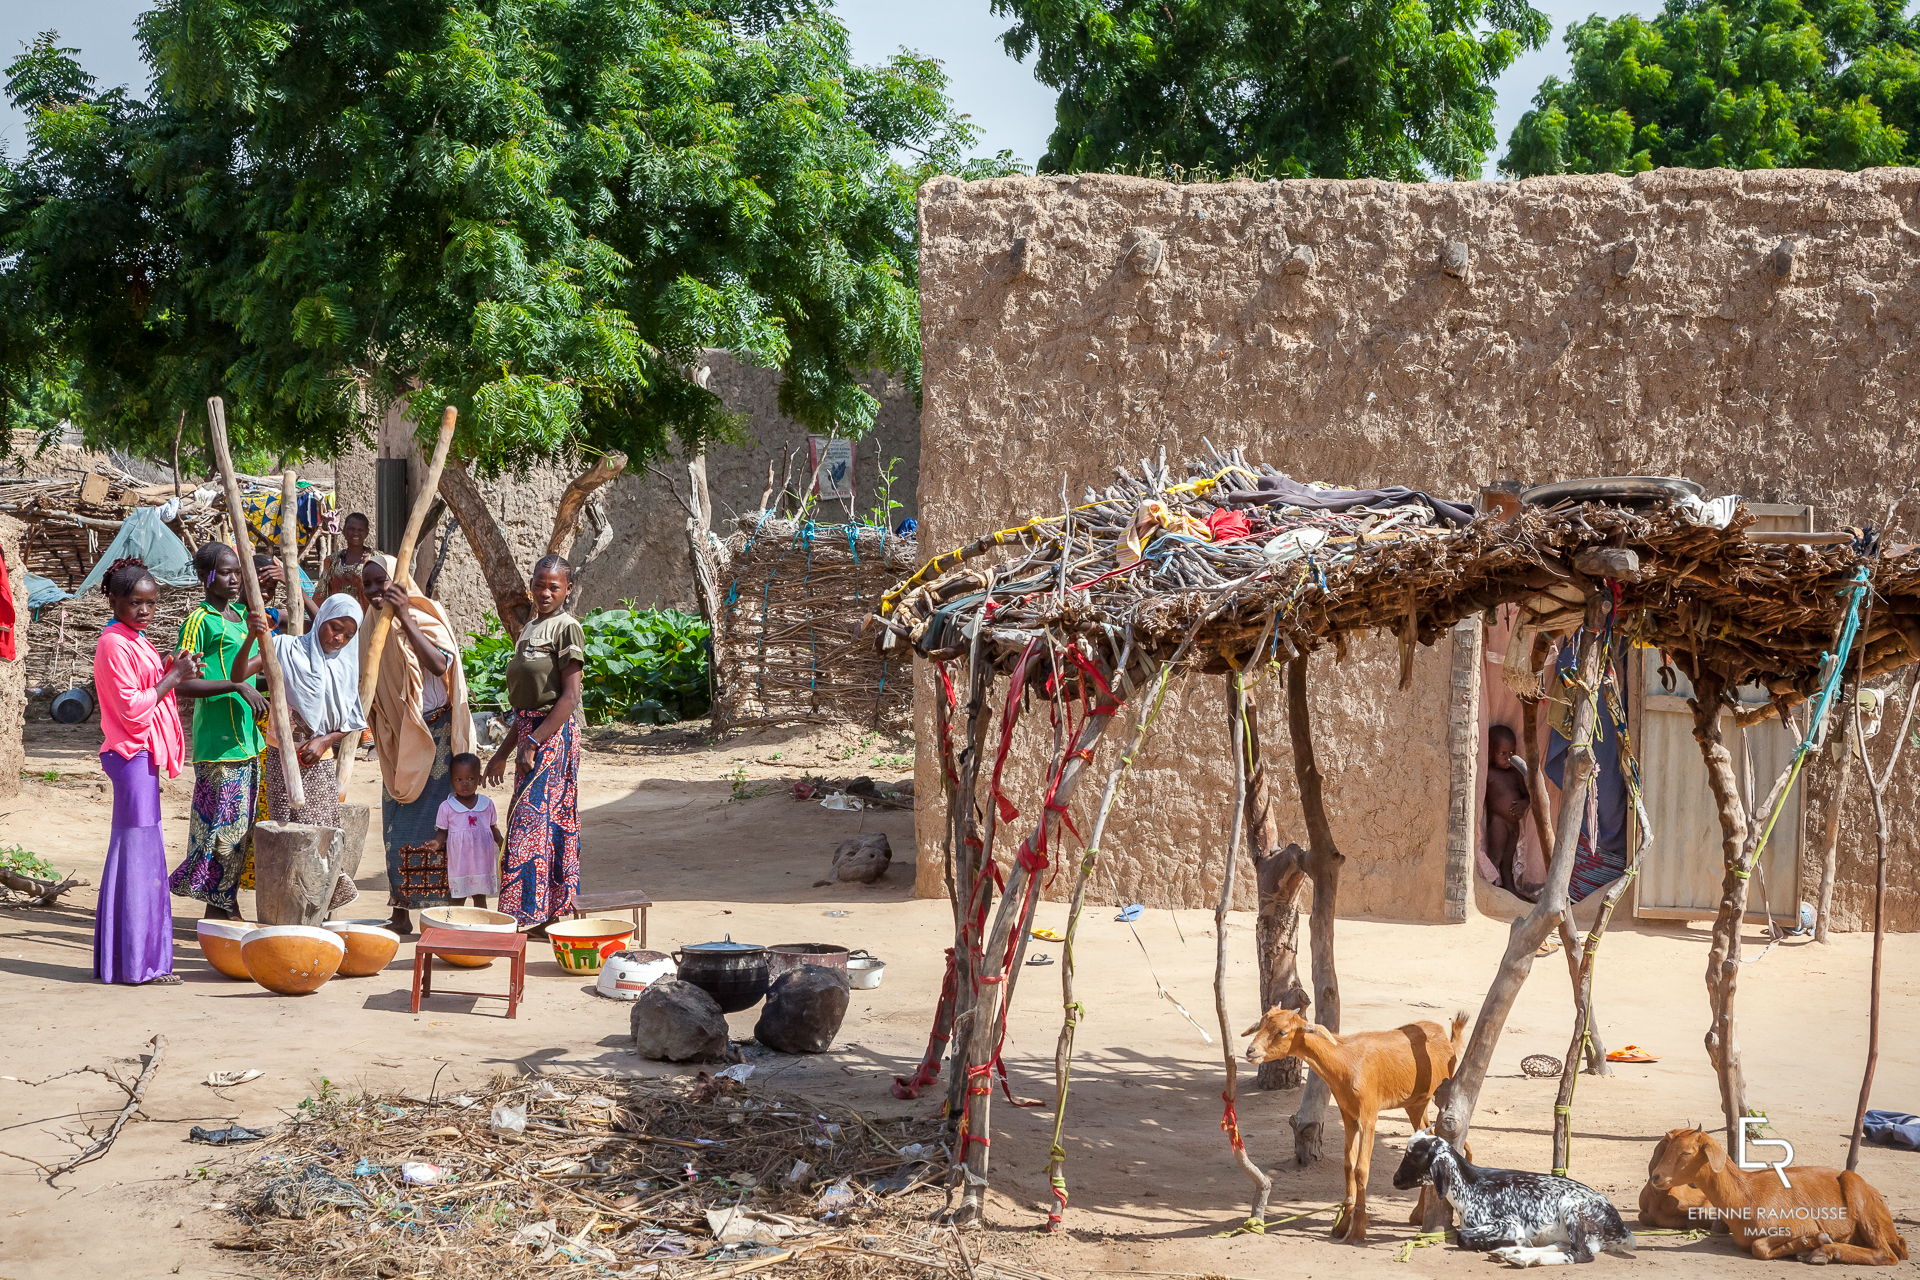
[733, 973]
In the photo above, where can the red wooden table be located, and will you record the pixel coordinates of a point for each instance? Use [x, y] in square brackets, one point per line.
[466, 942]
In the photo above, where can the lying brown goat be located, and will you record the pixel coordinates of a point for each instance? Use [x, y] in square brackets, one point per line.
[1825, 1216]
[1679, 1206]
[1367, 1072]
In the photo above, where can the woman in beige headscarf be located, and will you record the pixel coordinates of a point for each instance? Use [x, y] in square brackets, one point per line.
[420, 722]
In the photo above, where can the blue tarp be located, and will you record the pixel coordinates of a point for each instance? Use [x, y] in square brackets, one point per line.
[144, 535]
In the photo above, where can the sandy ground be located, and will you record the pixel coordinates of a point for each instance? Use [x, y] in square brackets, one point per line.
[713, 834]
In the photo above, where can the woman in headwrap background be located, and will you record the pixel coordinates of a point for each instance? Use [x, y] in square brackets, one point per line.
[420, 722]
[322, 674]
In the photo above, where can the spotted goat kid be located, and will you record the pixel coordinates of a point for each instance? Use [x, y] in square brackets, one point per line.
[1522, 1219]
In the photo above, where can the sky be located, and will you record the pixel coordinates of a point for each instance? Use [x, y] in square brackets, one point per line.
[1013, 110]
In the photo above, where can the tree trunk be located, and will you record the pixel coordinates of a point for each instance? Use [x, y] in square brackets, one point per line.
[1529, 931]
[566, 522]
[1323, 868]
[705, 558]
[1594, 1050]
[505, 580]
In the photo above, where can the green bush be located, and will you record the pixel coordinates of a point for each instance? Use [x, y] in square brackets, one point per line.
[647, 666]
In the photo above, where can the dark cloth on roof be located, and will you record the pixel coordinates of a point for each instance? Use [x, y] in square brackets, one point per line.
[1285, 491]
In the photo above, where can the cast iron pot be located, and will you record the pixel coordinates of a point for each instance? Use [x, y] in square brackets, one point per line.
[733, 973]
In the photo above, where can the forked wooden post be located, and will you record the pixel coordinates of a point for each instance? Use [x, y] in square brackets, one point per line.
[1279, 873]
[1529, 931]
[277, 710]
[1229, 1042]
[1323, 869]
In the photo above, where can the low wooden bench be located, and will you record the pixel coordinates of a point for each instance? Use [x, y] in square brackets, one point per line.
[468, 942]
[632, 901]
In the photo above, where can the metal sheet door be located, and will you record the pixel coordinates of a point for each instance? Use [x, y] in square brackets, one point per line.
[1681, 877]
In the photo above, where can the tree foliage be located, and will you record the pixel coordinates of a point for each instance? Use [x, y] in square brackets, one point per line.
[541, 211]
[1317, 88]
[1743, 84]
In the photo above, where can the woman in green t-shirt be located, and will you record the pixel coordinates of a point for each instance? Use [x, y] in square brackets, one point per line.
[540, 870]
[226, 743]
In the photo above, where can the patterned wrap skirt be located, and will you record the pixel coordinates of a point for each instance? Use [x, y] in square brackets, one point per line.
[415, 879]
[321, 784]
[540, 872]
[218, 845]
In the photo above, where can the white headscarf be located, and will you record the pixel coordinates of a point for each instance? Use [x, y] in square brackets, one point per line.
[324, 688]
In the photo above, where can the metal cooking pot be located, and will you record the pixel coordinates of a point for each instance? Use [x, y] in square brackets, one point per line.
[788, 956]
[733, 973]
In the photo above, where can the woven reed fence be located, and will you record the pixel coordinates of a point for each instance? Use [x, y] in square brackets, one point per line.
[790, 644]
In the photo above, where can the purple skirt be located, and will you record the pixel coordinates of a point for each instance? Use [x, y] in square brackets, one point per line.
[133, 924]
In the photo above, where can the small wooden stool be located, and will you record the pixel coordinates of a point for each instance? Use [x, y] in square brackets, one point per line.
[632, 901]
[465, 942]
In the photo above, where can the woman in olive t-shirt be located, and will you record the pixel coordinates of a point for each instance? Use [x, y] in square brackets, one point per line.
[540, 870]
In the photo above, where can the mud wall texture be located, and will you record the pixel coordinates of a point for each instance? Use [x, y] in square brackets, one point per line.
[645, 558]
[1751, 330]
[13, 675]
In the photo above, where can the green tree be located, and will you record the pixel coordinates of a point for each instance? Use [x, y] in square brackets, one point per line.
[1304, 88]
[1750, 84]
[541, 211]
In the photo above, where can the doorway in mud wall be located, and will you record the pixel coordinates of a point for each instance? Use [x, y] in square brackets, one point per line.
[1680, 877]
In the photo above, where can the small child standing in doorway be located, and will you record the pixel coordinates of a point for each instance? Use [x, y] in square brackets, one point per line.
[469, 830]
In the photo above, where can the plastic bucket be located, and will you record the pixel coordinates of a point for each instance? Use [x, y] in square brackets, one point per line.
[582, 946]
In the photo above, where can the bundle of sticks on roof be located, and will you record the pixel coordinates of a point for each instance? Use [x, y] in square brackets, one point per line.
[72, 517]
[1205, 565]
[789, 645]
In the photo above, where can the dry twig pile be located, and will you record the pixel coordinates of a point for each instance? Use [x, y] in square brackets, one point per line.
[670, 1178]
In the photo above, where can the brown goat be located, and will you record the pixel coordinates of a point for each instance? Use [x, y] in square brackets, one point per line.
[1826, 1215]
[1677, 1207]
[1367, 1072]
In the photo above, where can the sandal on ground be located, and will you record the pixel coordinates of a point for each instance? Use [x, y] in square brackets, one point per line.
[163, 980]
[1632, 1053]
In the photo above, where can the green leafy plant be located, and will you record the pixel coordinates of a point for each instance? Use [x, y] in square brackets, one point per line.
[881, 516]
[26, 863]
[644, 666]
[1737, 84]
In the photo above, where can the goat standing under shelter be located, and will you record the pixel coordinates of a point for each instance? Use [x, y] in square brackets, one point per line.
[1367, 1072]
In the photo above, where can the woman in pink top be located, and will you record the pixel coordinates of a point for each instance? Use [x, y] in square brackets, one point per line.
[133, 923]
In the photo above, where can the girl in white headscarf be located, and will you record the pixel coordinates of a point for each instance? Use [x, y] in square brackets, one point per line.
[321, 670]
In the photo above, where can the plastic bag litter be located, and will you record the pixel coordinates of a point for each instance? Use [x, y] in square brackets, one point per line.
[800, 1172]
[737, 1225]
[738, 1071]
[843, 802]
[228, 1079]
[900, 1179]
[422, 1174]
[546, 1240]
[836, 1199]
[508, 1118]
[227, 1137]
[546, 1092]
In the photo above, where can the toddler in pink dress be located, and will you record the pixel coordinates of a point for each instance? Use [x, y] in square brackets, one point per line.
[469, 830]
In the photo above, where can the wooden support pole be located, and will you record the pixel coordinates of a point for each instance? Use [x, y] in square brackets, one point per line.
[1463, 757]
[1595, 1051]
[290, 553]
[378, 623]
[989, 1011]
[1280, 872]
[277, 709]
[1585, 1039]
[1525, 935]
[1323, 870]
[1229, 1042]
[1723, 956]
[1877, 788]
[1836, 808]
